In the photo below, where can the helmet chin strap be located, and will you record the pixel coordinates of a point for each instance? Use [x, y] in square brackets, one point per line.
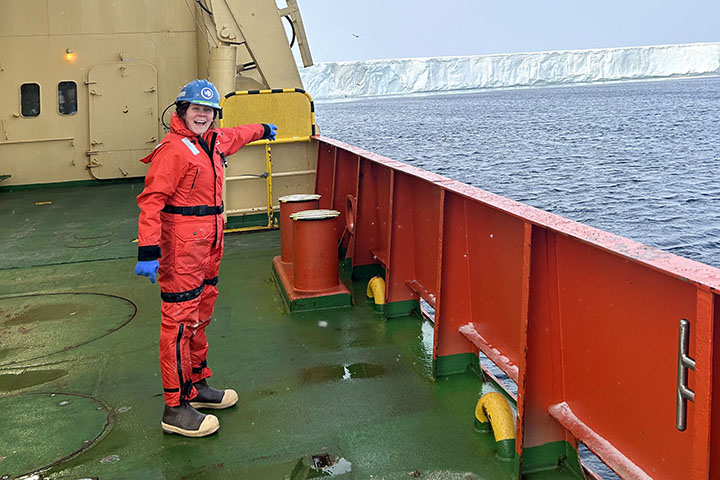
[162, 117]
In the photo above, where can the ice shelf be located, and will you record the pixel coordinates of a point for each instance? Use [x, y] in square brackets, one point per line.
[335, 80]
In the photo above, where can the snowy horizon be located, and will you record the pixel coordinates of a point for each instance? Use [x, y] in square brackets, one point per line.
[406, 76]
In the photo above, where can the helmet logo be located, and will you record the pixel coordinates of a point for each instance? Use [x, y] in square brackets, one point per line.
[206, 93]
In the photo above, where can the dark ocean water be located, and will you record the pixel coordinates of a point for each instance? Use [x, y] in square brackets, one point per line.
[637, 159]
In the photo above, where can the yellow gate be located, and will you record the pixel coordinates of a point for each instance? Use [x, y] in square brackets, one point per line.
[264, 171]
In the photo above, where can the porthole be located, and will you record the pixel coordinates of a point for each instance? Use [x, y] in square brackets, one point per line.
[30, 99]
[67, 98]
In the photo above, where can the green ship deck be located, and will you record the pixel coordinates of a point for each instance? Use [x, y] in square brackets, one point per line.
[338, 392]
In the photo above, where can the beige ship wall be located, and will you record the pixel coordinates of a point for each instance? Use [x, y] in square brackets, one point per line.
[128, 60]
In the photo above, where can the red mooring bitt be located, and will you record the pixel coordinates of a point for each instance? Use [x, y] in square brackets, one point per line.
[290, 204]
[315, 257]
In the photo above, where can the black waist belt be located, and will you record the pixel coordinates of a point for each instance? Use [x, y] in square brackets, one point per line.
[177, 297]
[195, 211]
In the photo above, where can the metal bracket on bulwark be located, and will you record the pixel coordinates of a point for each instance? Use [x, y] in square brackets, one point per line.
[684, 362]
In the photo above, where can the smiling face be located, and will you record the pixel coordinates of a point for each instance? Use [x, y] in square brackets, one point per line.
[198, 118]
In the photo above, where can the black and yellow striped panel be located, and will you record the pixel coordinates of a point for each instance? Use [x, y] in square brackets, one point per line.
[291, 109]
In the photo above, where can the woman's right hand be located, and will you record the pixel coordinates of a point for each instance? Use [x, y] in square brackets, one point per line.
[147, 268]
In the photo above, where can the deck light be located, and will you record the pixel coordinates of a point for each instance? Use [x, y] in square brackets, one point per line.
[69, 55]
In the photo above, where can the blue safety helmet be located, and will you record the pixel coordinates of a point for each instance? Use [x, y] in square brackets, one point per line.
[201, 92]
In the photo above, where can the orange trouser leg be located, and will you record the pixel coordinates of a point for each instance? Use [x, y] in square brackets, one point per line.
[188, 278]
[175, 358]
[198, 342]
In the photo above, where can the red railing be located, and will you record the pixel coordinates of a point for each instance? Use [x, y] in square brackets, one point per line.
[585, 322]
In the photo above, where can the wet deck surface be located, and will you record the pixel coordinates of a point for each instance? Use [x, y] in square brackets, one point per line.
[79, 376]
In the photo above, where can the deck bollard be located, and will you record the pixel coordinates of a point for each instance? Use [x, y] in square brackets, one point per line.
[290, 204]
[315, 250]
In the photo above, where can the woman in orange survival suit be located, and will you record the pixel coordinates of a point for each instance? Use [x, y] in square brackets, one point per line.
[180, 234]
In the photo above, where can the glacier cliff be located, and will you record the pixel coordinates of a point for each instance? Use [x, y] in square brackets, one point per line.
[335, 80]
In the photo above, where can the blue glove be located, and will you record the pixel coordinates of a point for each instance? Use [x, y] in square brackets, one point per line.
[147, 268]
[273, 131]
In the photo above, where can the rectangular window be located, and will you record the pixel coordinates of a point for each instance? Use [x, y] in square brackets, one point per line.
[67, 98]
[30, 99]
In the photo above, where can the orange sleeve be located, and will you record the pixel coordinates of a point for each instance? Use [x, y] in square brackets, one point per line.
[234, 138]
[166, 170]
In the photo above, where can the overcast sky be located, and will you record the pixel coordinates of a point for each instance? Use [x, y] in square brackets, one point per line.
[372, 29]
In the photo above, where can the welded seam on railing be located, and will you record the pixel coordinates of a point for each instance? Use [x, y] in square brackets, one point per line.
[701, 427]
[441, 242]
[334, 177]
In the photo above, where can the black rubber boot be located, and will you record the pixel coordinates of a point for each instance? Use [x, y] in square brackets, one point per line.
[185, 420]
[209, 397]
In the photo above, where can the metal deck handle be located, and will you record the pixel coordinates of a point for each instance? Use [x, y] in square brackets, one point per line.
[684, 362]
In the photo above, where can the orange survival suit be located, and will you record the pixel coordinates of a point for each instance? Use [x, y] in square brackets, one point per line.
[181, 223]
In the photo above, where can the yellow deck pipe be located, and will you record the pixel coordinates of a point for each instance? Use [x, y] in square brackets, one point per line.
[493, 412]
[376, 293]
